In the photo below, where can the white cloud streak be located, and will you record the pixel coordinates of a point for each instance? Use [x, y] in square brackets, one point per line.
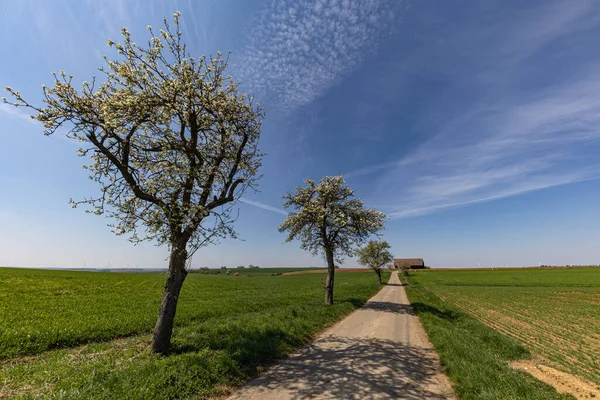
[112, 15]
[15, 112]
[524, 188]
[263, 206]
[298, 50]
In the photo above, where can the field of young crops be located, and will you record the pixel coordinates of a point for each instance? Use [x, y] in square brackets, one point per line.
[554, 313]
[86, 334]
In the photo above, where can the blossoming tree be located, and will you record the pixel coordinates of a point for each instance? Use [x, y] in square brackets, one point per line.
[329, 220]
[170, 141]
[375, 255]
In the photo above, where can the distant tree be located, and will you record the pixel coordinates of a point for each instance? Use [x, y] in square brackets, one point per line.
[375, 255]
[329, 220]
[404, 268]
[171, 143]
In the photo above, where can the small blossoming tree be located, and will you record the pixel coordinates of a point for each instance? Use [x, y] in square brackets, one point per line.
[169, 140]
[329, 220]
[404, 268]
[375, 255]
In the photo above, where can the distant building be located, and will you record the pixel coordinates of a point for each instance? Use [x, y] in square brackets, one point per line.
[413, 263]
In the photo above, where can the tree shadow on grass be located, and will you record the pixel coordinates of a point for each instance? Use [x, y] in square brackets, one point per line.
[356, 303]
[254, 346]
[422, 308]
[385, 306]
[330, 367]
[351, 368]
[248, 347]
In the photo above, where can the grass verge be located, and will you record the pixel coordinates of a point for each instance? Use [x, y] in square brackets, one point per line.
[551, 312]
[474, 356]
[228, 329]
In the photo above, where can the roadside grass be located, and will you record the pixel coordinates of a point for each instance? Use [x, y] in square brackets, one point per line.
[227, 330]
[552, 312]
[475, 357]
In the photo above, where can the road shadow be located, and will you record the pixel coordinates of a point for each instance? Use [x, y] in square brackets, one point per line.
[348, 368]
[385, 306]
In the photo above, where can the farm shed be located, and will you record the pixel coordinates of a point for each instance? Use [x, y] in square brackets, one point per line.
[413, 263]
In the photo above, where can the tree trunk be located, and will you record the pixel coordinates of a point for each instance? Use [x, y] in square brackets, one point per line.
[330, 277]
[378, 272]
[161, 340]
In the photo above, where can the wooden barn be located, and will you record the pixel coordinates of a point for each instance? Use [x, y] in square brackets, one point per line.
[413, 263]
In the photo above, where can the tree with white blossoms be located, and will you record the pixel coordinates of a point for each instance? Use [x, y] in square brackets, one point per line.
[404, 267]
[170, 141]
[375, 255]
[329, 220]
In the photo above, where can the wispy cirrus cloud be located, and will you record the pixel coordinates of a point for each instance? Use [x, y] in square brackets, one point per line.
[505, 140]
[298, 50]
[112, 15]
[522, 188]
[521, 146]
[18, 113]
[13, 111]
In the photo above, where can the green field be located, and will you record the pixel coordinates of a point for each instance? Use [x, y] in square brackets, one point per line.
[553, 313]
[86, 334]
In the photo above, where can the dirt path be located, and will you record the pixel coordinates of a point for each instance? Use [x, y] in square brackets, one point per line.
[378, 352]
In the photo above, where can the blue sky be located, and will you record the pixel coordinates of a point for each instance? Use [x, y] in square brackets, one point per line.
[474, 125]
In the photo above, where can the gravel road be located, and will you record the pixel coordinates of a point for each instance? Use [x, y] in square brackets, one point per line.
[378, 352]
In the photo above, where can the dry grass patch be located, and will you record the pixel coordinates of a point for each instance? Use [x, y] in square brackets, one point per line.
[561, 381]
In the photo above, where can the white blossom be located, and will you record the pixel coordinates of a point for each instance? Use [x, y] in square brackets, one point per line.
[169, 140]
[328, 217]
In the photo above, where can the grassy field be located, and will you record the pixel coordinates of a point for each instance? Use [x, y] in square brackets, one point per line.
[553, 313]
[86, 334]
